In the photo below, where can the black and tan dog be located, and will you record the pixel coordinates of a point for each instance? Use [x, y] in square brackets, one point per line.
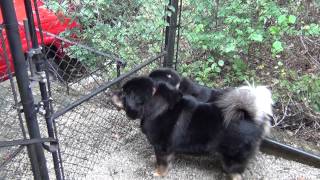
[177, 123]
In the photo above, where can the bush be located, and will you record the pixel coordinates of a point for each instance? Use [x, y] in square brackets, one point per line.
[223, 42]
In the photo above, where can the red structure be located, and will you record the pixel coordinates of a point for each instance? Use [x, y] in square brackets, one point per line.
[50, 22]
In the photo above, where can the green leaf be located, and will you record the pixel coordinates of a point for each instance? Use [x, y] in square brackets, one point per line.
[282, 19]
[274, 30]
[292, 19]
[221, 63]
[277, 46]
[239, 32]
[213, 66]
[199, 28]
[210, 59]
[205, 47]
[218, 69]
[207, 70]
[256, 37]
[230, 47]
[185, 74]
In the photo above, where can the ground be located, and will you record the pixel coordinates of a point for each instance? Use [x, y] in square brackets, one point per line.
[136, 161]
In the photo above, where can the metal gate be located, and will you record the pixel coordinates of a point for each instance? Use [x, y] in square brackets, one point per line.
[58, 122]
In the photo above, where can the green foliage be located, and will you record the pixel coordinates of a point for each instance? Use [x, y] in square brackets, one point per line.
[311, 30]
[130, 29]
[277, 47]
[304, 88]
[203, 70]
[213, 34]
[224, 28]
[238, 24]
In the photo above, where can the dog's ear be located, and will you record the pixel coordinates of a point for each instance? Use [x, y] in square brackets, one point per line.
[166, 75]
[170, 93]
[116, 99]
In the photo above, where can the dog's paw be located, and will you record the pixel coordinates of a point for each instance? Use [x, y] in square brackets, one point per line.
[235, 176]
[161, 171]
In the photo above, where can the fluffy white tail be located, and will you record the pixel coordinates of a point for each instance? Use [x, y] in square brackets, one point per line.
[255, 101]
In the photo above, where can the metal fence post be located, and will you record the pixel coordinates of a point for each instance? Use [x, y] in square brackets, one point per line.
[39, 62]
[36, 153]
[170, 33]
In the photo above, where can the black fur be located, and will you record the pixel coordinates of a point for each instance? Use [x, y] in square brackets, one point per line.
[165, 75]
[174, 123]
[135, 94]
[186, 86]
[201, 93]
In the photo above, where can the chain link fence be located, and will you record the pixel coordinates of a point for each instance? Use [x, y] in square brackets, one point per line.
[78, 81]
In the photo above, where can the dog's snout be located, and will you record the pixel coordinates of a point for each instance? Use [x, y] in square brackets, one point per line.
[116, 99]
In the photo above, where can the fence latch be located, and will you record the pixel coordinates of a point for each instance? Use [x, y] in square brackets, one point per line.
[34, 51]
[39, 77]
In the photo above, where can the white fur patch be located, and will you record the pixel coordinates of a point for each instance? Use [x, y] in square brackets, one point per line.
[178, 86]
[263, 101]
[154, 90]
[256, 101]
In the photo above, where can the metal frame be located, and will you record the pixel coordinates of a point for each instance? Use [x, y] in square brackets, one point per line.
[276, 148]
[105, 86]
[170, 33]
[35, 150]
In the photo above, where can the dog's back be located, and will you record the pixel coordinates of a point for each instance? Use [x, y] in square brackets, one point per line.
[197, 126]
[201, 93]
[202, 130]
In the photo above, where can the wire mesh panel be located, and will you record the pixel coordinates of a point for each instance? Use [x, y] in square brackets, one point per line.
[84, 58]
[92, 131]
[14, 162]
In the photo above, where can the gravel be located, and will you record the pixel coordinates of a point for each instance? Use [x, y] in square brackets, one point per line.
[136, 161]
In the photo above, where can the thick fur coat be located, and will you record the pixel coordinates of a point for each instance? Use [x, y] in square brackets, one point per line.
[174, 122]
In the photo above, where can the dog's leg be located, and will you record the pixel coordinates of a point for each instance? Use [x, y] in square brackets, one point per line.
[233, 169]
[163, 162]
